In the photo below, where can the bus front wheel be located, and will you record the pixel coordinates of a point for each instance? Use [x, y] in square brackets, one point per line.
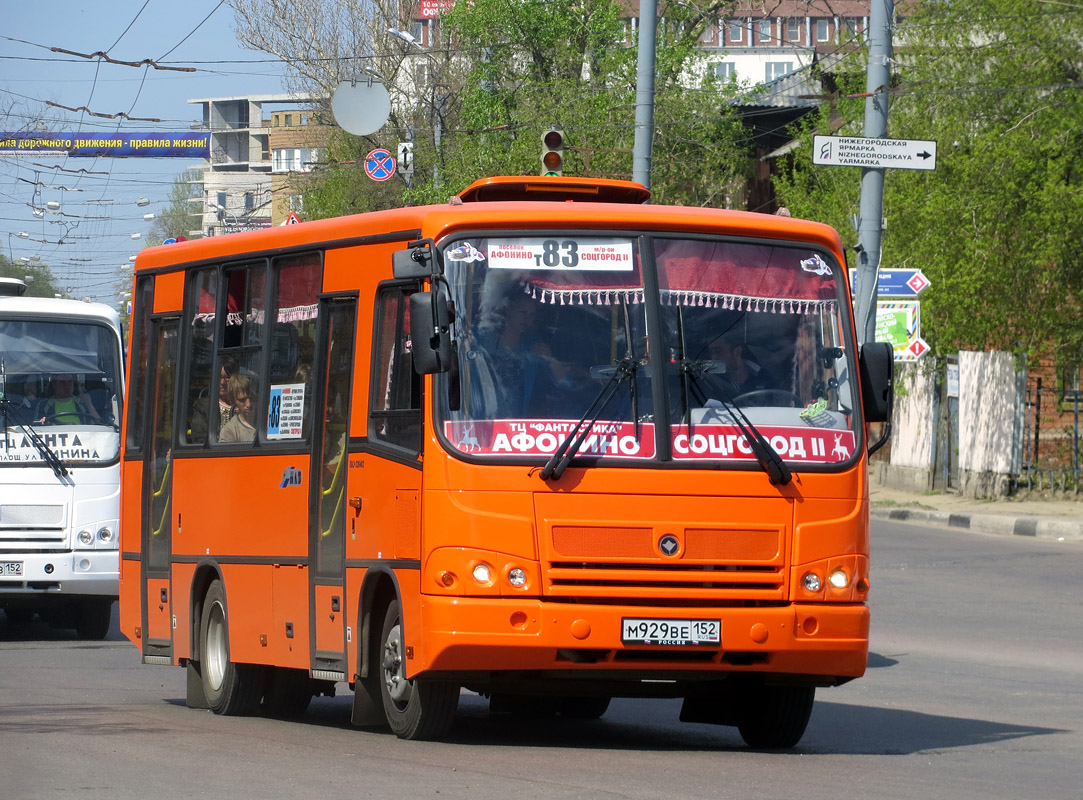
[231, 689]
[93, 617]
[414, 709]
[776, 716]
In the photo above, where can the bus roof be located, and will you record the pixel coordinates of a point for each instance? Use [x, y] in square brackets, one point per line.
[39, 307]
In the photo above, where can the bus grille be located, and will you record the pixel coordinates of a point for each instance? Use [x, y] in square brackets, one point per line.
[42, 517]
[712, 563]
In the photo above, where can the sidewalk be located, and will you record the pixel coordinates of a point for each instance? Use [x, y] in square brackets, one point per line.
[1059, 520]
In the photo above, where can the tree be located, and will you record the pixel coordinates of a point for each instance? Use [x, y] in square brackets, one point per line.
[476, 102]
[535, 64]
[996, 226]
[176, 219]
[38, 277]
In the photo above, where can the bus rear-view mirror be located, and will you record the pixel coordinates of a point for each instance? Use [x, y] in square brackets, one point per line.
[430, 332]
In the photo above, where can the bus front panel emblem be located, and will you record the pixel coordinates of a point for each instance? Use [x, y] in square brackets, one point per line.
[669, 545]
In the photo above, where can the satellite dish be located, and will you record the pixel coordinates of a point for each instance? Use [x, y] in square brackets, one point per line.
[361, 106]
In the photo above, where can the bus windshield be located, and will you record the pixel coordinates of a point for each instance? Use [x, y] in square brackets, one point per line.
[62, 379]
[672, 342]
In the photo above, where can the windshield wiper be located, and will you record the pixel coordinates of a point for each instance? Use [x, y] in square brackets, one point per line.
[46, 452]
[690, 371]
[554, 467]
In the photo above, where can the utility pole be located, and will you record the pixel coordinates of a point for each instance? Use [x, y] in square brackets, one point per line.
[644, 126]
[871, 214]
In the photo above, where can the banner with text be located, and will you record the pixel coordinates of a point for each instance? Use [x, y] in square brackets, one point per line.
[112, 145]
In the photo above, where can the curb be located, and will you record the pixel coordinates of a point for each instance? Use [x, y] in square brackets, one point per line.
[1051, 528]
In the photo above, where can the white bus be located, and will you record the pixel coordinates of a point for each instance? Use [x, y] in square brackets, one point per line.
[60, 401]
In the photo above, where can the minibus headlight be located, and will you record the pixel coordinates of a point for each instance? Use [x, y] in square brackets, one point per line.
[86, 538]
[812, 582]
[482, 573]
[839, 579]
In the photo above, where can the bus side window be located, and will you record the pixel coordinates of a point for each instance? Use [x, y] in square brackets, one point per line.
[240, 337]
[203, 393]
[395, 414]
[292, 337]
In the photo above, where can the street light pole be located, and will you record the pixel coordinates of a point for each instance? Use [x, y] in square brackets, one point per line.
[20, 235]
[436, 115]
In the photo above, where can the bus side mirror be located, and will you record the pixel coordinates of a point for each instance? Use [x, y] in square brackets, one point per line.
[877, 381]
[430, 332]
[415, 262]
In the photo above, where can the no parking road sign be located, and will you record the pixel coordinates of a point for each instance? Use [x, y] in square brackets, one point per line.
[379, 164]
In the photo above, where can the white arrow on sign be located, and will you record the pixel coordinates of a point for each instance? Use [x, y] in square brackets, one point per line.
[854, 151]
[406, 158]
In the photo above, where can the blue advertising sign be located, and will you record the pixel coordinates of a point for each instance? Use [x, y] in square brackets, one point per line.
[897, 282]
[116, 145]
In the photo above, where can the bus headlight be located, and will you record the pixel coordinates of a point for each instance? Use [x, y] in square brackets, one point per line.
[483, 574]
[517, 577]
[86, 538]
[812, 582]
[105, 535]
[839, 579]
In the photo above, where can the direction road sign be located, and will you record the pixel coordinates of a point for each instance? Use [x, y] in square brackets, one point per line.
[379, 164]
[898, 322]
[897, 282]
[855, 151]
[406, 159]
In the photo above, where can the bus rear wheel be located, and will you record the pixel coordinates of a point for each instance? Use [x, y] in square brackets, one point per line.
[231, 689]
[776, 716]
[414, 709]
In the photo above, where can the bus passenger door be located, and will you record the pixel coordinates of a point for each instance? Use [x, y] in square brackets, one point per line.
[157, 516]
[327, 508]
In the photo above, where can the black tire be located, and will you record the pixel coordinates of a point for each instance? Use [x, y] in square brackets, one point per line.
[287, 694]
[583, 707]
[231, 689]
[93, 617]
[777, 716]
[414, 709]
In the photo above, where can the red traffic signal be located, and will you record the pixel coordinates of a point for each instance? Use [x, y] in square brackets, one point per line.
[552, 157]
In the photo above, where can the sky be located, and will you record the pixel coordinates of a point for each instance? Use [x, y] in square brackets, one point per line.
[98, 212]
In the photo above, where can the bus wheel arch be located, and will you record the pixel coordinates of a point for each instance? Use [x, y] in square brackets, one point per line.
[230, 688]
[415, 709]
[379, 589]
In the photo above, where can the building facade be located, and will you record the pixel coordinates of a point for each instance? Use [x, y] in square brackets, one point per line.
[237, 192]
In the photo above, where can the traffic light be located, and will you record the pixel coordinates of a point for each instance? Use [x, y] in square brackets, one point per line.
[552, 157]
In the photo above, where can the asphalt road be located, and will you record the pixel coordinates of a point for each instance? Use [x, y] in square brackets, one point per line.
[974, 690]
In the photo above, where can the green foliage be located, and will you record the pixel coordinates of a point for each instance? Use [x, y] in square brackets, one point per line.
[180, 216]
[41, 277]
[996, 226]
[506, 71]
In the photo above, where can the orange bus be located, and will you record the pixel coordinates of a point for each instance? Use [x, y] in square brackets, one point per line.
[547, 443]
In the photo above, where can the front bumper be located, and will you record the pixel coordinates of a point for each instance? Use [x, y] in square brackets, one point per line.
[78, 573]
[827, 642]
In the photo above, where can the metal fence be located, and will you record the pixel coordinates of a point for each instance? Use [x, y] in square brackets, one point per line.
[1050, 457]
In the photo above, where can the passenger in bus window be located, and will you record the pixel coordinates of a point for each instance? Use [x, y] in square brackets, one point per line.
[65, 407]
[524, 369]
[197, 430]
[240, 427]
[26, 408]
[743, 373]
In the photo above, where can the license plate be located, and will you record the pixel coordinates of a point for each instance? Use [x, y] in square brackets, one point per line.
[670, 631]
[11, 568]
